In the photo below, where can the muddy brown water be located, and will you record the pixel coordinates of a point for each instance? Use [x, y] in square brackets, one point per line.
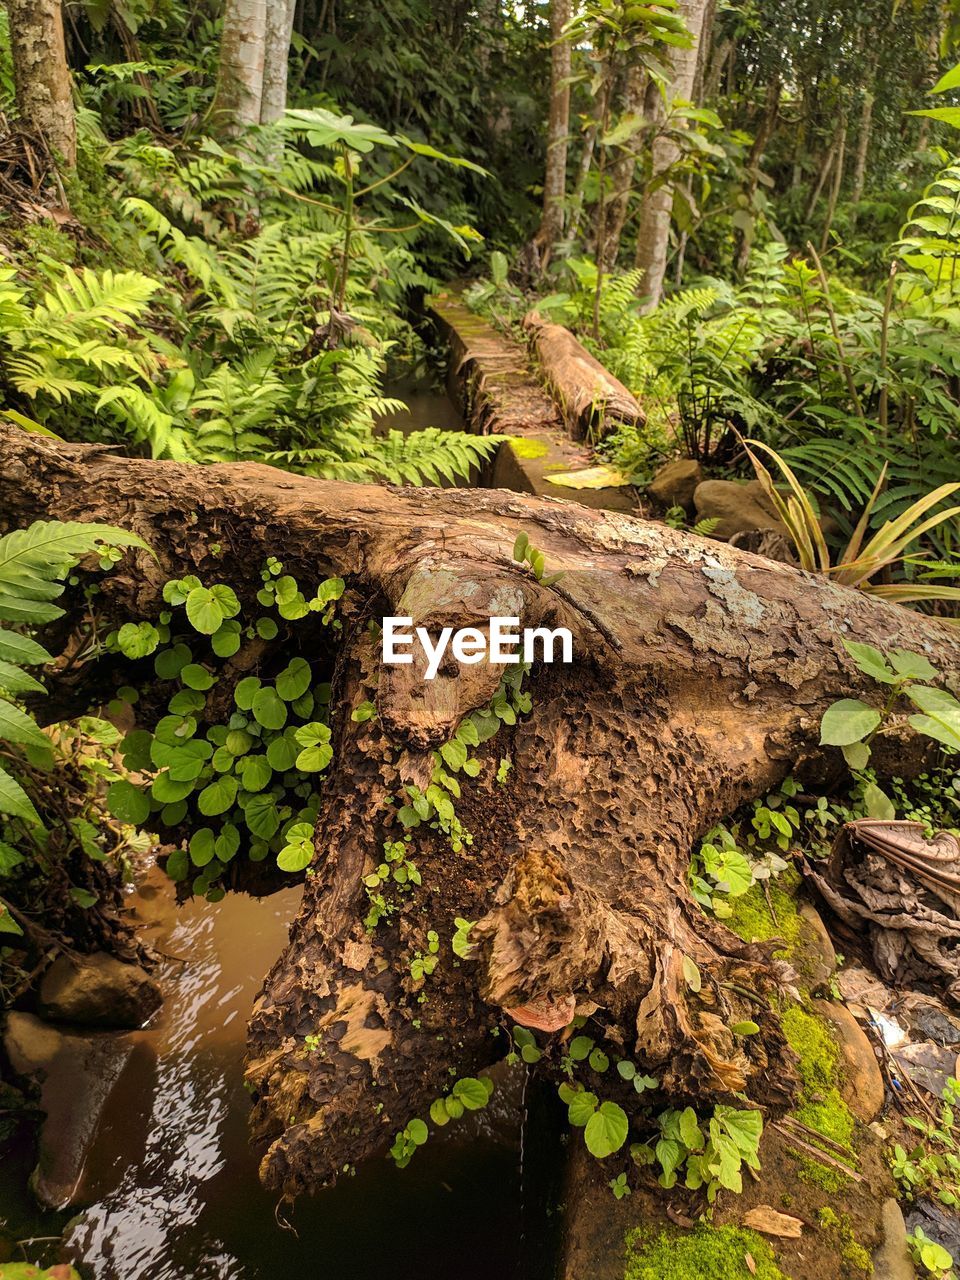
[170, 1188]
[170, 1185]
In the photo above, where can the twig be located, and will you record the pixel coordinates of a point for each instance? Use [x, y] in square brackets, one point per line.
[816, 1152]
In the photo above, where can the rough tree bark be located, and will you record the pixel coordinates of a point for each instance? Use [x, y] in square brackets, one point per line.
[41, 75]
[550, 231]
[653, 238]
[699, 677]
[239, 93]
[276, 56]
[623, 170]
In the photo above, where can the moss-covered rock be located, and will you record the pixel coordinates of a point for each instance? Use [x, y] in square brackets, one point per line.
[706, 1253]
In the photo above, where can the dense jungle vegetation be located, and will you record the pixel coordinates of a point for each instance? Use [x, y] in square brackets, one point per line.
[221, 225]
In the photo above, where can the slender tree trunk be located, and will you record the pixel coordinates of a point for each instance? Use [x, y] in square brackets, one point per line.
[276, 57]
[835, 185]
[823, 174]
[41, 75]
[579, 191]
[653, 238]
[239, 96]
[762, 137]
[699, 677]
[550, 231]
[863, 148]
[624, 168]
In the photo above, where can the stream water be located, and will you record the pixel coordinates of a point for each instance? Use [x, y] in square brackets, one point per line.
[170, 1185]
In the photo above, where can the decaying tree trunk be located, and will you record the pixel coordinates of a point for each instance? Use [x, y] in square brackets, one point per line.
[699, 677]
[591, 400]
[41, 74]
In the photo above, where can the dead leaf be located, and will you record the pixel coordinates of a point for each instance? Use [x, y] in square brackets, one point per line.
[767, 1219]
[545, 1013]
[601, 477]
[751, 1265]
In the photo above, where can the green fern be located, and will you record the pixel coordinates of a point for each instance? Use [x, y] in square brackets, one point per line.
[33, 563]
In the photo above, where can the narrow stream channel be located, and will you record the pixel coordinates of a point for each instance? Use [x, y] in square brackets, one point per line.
[171, 1183]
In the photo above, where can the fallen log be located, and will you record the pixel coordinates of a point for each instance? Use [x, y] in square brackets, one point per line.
[591, 400]
[699, 677]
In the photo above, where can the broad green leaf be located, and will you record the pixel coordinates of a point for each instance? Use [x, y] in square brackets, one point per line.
[606, 1130]
[217, 796]
[255, 772]
[15, 801]
[170, 662]
[269, 709]
[261, 815]
[471, 1093]
[870, 661]
[857, 755]
[294, 680]
[912, 666]
[128, 803]
[581, 1107]
[847, 721]
[196, 677]
[295, 857]
[941, 714]
[877, 803]
[137, 639]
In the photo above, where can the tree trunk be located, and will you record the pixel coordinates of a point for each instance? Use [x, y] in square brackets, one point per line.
[699, 677]
[238, 99]
[579, 191]
[653, 238]
[761, 138]
[623, 170]
[835, 185]
[863, 145]
[550, 231]
[41, 75]
[276, 56]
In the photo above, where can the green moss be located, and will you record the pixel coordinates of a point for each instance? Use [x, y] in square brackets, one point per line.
[824, 1177]
[852, 1253]
[706, 1253]
[820, 1107]
[524, 447]
[752, 921]
[810, 1038]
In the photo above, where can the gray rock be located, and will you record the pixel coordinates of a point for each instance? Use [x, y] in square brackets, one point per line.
[76, 1074]
[738, 505]
[819, 952]
[99, 991]
[891, 1260]
[675, 482]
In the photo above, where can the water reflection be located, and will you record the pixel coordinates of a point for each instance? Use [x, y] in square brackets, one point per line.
[172, 1183]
